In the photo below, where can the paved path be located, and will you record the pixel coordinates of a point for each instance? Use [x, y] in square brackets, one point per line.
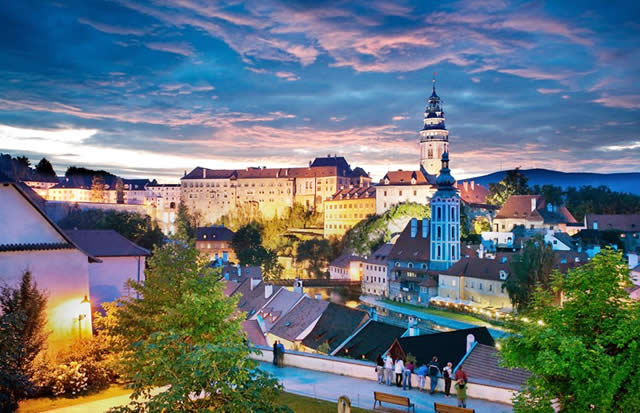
[328, 386]
[443, 321]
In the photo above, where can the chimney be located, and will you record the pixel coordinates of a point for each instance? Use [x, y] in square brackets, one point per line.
[204, 173]
[534, 203]
[633, 261]
[254, 283]
[239, 268]
[268, 290]
[464, 185]
[297, 286]
[481, 251]
[414, 227]
[473, 185]
[425, 228]
[470, 340]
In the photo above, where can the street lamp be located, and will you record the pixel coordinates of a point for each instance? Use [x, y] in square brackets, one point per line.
[82, 316]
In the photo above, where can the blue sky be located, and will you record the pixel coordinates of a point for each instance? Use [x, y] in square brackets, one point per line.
[154, 88]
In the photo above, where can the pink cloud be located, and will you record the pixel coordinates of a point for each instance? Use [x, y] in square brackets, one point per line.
[624, 102]
[537, 74]
[548, 91]
[399, 117]
[292, 77]
[111, 29]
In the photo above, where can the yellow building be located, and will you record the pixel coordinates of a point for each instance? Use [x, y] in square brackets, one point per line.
[346, 208]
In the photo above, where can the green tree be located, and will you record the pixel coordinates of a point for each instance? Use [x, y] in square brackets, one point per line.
[247, 244]
[271, 268]
[186, 223]
[24, 161]
[185, 333]
[22, 338]
[317, 253]
[514, 183]
[480, 225]
[551, 193]
[583, 356]
[140, 229]
[530, 269]
[97, 189]
[45, 168]
[119, 191]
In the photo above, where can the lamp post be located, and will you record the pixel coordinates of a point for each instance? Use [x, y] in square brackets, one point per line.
[82, 316]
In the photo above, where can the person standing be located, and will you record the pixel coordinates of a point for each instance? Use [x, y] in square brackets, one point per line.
[275, 353]
[406, 379]
[280, 354]
[461, 393]
[461, 375]
[399, 369]
[434, 372]
[380, 369]
[446, 373]
[388, 369]
[421, 372]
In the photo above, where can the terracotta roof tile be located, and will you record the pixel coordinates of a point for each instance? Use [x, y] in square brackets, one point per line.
[292, 324]
[401, 177]
[407, 248]
[619, 222]
[358, 192]
[482, 366]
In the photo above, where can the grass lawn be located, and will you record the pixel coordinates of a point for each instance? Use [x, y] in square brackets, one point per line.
[302, 404]
[48, 403]
[465, 318]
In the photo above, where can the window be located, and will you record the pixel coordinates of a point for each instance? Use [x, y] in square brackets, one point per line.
[415, 193]
[439, 214]
[453, 283]
[439, 234]
[385, 194]
[400, 193]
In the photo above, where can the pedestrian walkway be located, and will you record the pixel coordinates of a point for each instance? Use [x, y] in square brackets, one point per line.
[330, 387]
[496, 332]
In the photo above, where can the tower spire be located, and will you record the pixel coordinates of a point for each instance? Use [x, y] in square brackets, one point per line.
[434, 84]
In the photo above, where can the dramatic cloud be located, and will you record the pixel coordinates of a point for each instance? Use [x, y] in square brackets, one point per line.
[154, 88]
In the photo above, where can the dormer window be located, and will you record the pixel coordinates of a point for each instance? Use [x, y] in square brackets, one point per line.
[413, 181]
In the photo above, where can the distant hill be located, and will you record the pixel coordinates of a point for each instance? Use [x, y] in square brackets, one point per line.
[620, 182]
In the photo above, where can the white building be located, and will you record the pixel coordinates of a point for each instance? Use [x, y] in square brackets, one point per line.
[30, 241]
[120, 260]
[347, 267]
[375, 279]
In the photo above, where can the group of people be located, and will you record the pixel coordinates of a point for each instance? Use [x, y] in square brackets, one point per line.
[387, 369]
[278, 353]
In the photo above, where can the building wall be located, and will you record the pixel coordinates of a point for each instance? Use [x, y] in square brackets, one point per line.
[375, 280]
[212, 198]
[64, 276]
[507, 224]
[388, 196]
[445, 232]
[107, 279]
[21, 223]
[312, 192]
[482, 292]
[217, 249]
[342, 214]
[353, 272]
[271, 196]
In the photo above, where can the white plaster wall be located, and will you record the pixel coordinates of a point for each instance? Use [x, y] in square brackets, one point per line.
[107, 278]
[20, 222]
[64, 276]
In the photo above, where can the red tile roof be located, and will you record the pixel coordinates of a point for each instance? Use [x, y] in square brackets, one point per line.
[407, 248]
[292, 324]
[254, 334]
[472, 193]
[358, 192]
[520, 207]
[318, 171]
[401, 177]
[206, 173]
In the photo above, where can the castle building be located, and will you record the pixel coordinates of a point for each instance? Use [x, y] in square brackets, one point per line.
[434, 136]
[214, 193]
[346, 208]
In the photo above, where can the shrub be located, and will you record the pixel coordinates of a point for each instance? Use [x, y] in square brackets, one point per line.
[93, 355]
[69, 379]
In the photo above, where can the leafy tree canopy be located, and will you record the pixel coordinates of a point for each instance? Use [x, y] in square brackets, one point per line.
[317, 252]
[140, 229]
[22, 338]
[185, 333]
[583, 355]
[514, 183]
[187, 223]
[45, 168]
[80, 171]
[530, 269]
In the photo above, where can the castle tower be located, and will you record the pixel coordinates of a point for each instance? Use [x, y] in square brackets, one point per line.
[434, 136]
[445, 220]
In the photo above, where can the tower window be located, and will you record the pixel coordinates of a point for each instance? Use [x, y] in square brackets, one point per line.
[439, 213]
[439, 234]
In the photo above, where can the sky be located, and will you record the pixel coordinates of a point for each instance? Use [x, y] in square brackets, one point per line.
[154, 88]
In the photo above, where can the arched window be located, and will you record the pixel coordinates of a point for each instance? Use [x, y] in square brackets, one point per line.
[453, 233]
[438, 252]
[453, 213]
[453, 251]
[439, 213]
[439, 233]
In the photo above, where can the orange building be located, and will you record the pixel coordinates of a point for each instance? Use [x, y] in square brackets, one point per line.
[215, 242]
[346, 208]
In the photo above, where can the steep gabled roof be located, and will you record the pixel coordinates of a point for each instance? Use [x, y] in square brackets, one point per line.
[279, 305]
[409, 248]
[401, 177]
[254, 333]
[450, 346]
[214, 233]
[472, 193]
[482, 366]
[252, 300]
[299, 318]
[380, 255]
[35, 201]
[358, 192]
[338, 161]
[534, 208]
[335, 325]
[370, 341]
[106, 243]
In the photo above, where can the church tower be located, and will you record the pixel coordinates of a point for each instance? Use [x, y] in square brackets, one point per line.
[434, 136]
[445, 220]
